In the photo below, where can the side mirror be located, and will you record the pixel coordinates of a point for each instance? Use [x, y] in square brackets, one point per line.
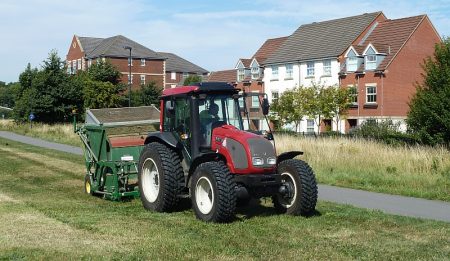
[265, 106]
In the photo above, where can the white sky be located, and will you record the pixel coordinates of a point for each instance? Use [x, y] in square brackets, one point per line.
[212, 34]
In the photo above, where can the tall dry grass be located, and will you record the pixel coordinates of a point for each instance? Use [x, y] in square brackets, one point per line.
[61, 133]
[413, 171]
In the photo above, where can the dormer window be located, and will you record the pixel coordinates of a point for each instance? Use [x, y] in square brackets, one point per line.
[352, 64]
[370, 57]
[241, 75]
[255, 73]
[371, 62]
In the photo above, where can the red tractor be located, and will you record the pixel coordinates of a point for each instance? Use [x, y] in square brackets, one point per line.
[210, 148]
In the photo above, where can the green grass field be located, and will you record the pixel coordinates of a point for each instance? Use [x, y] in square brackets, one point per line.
[46, 215]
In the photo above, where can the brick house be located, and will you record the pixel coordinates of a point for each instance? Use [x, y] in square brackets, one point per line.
[248, 76]
[312, 54]
[146, 64]
[178, 69]
[382, 67]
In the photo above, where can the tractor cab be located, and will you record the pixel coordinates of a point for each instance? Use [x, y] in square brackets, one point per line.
[192, 113]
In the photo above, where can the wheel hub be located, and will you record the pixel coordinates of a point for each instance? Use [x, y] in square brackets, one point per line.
[150, 180]
[204, 195]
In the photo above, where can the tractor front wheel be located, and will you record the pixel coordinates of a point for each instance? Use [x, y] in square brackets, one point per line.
[213, 192]
[298, 194]
[160, 177]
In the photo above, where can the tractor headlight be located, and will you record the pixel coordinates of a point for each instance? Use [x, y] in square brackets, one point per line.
[257, 161]
[271, 161]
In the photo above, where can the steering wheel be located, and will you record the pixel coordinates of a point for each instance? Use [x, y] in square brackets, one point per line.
[217, 124]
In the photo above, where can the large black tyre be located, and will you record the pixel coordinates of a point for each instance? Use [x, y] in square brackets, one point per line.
[299, 177]
[160, 177]
[213, 193]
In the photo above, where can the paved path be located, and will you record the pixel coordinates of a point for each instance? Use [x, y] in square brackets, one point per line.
[398, 205]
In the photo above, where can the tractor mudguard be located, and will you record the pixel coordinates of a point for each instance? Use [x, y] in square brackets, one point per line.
[164, 137]
[288, 155]
[205, 157]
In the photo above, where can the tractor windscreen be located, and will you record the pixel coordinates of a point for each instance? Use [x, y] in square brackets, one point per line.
[220, 110]
[251, 106]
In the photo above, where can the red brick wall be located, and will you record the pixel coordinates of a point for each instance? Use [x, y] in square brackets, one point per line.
[74, 52]
[153, 71]
[395, 89]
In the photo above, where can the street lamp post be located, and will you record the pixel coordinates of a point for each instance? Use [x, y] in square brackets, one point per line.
[129, 75]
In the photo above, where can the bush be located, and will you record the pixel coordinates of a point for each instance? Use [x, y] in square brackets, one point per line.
[385, 131]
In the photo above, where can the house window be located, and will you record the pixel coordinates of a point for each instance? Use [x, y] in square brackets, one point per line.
[274, 72]
[185, 75]
[130, 61]
[371, 62]
[310, 69]
[173, 75]
[241, 75]
[79, 64]
[289, 71]
[142, 62]
[142, 79]
[327, 67]
[173, 86]
[275, 96]
[255, 101]
[255, 73]
[352, 64]
[310, 126]
[371, 94]
[130, 79]
[74, 66]
[353, 94]
[89, 63]
[69, 67]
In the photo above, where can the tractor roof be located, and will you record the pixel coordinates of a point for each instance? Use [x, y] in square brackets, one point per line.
[201, 88]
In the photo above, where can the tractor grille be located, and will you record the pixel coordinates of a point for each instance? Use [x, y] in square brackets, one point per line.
[262, 148]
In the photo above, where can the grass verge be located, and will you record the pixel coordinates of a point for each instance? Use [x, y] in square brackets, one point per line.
[60, 133]
[46, 215]
[355, 163]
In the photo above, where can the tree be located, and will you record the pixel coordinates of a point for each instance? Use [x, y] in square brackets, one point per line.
[148, 94]
[100, 95]
[429, 115]
[341, 102]
[192, 79]
[7, 94]
[48, 93]
[104, 71]
[290, 106]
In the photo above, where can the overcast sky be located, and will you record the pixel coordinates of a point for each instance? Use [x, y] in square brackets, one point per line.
[212, 34]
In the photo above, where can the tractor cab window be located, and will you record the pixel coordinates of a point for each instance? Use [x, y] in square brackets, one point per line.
[177, 119]
[215, 111]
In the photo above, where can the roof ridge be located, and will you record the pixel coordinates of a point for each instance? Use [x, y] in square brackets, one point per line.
[403, 18]
[342, 18]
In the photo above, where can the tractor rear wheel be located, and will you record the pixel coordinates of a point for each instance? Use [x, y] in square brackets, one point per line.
[160, 177]
[213, 192]
[300, 188]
